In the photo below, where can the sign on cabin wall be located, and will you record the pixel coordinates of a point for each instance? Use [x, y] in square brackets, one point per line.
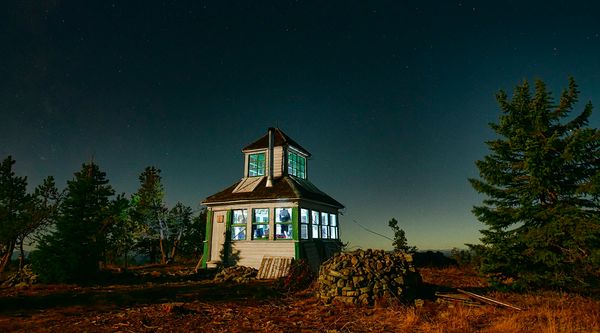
[220, 218]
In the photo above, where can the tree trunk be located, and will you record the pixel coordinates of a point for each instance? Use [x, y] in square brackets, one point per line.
[173, 249]
[163, 257]
[21, 256]
[5, 257]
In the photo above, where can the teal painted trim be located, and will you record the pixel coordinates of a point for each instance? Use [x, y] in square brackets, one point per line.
[207, 238]
[295, 224]
[228, 219]
[296, 231]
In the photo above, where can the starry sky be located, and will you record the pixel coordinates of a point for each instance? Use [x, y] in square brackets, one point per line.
[392, 98]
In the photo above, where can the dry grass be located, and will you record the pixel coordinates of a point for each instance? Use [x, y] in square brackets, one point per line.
[205, 307]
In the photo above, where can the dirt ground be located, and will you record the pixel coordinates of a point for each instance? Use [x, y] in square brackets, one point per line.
[158, 301]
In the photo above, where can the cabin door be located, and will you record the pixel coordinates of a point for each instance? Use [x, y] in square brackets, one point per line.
[218, 235]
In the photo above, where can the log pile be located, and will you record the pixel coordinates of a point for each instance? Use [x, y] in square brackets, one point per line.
[237, 274]
[22, 278]
[362, 276]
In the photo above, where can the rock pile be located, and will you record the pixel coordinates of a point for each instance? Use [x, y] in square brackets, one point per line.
[362, 276]
[238, 274]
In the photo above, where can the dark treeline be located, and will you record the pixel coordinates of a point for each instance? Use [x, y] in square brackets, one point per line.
[81, 229]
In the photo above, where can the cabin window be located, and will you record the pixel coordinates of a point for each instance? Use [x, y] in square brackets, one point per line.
[333, 227]
[296, 165]
[304, 216]
[238, 225]
[324, 225]
[283, 223]
[315, 224]
[260, 223]
[256, 165]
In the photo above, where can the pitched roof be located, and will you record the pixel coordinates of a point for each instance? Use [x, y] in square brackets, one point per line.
[281, 139]
[286, 187]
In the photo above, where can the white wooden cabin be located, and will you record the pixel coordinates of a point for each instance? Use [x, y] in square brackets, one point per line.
[273, 210]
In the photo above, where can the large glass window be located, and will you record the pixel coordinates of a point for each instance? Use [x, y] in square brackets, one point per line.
[315, 224]
[260, 223]
[304, 216]
[283, 223]
[238, 225]
[333, 227]
[256, 165]
[296, 165]
[324, 225]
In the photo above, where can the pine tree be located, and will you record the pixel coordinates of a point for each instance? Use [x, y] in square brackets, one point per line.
[400, 242]
[152, 213]
[14, 201]
[75, 250]
[541, 209]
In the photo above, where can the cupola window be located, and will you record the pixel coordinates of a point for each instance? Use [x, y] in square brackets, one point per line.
[256, 165]
[296, 164]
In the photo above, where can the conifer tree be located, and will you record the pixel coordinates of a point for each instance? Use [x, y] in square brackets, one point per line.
[75, 250]
[400, 242]
[541, 207]
[14, 201]
[151, 212]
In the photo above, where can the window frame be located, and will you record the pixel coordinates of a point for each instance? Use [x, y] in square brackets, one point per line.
[265, 225]
[296, 164]
[235, 224]
[280, 224]
[315, 226]
[304, 223]
[324, 225]
[260, 165]
[333, 227]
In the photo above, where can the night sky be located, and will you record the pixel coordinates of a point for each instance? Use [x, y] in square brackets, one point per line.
[392, 98]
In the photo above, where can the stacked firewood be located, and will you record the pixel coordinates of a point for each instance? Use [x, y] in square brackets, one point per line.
[22, 278]
[362, 276]
[237, 274]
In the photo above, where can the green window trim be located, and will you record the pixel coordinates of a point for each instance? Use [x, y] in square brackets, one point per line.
[207, 238]
[256, 165]
[295, 221]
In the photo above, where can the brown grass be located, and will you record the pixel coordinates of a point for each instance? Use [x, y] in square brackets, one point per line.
[207, 307]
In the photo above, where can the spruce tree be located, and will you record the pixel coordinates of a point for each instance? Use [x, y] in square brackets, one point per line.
[75, 250]
[540, 181]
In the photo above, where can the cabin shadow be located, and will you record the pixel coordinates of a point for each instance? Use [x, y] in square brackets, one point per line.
[108, 298]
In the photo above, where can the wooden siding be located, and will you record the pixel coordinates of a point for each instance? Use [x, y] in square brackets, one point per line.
[251, 253]
[278, 161]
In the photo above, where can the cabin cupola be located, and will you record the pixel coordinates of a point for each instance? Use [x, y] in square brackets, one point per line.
[274, 210]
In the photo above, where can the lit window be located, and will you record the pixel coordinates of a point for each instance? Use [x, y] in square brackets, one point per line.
[304, 216]
[256, 165]
[333, 227]
[315, 224]
[238, 225]
[283, 223]
[296, 165]
[260, 224]
[324, 225]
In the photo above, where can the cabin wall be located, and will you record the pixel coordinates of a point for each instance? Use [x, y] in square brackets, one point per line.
[252, 252]
[315, 252]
